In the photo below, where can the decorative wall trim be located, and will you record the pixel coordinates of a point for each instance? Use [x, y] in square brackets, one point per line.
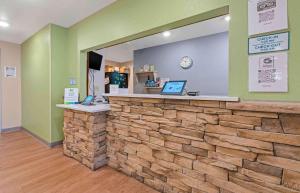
[56, 143]
[50, 145]
[11, 129]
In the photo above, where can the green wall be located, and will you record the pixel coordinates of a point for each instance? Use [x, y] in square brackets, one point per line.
[58, 75]
[129, 19]
[238, 63]
[36, 84]
[43, 74]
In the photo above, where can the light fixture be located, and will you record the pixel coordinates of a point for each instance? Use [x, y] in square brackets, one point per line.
[166, 33]
[227, 18]
[4, 24]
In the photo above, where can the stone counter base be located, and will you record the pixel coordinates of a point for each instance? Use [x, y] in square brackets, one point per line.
[85, 137]
[183, 146]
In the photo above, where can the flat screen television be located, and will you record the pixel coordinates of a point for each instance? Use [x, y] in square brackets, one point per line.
[94, 60]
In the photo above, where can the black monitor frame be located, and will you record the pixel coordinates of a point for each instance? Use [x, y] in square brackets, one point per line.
[173, 93]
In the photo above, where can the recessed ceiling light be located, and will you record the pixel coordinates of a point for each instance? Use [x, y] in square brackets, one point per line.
[227, 18]
[4, 24]
[166, 33]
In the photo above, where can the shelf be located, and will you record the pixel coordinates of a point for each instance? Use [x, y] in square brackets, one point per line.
[145, 73]
[153, 87]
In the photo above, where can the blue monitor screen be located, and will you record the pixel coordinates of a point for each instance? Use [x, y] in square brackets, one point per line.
[88, 100]
[173, 87]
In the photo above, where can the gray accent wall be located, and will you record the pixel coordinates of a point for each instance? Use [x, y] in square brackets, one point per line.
[209, 73]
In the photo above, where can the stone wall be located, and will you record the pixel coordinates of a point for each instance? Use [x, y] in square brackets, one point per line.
[85, 137]
[206, 146]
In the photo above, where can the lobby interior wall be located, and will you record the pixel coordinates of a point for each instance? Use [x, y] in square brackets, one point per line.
[43, 74]
[35, 80]
[10, 87]
[238, 54]
[210, 63]
[127, 19]
[130, 19]
[58, 74]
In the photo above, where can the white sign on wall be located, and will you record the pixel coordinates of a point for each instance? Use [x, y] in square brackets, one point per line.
[269, 43]
[10, 72]
[266, 16]
[268, 72]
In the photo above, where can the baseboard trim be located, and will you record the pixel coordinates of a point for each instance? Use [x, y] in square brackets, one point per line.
[12, 129]
[55, 143]
[50, 145]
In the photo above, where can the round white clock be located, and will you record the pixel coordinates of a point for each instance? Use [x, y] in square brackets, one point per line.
[186, 62]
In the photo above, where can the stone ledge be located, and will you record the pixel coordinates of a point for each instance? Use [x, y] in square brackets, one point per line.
[259, 106]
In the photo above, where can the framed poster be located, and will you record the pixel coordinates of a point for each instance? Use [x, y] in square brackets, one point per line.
[10, 72]
[267, 16]
[268, 72]
[269, 43]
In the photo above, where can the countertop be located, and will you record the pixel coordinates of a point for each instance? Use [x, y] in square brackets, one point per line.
[90, 109]
[157, 96]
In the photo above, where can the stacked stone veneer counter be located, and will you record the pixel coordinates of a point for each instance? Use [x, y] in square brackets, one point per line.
[204, 145]
[85, 134]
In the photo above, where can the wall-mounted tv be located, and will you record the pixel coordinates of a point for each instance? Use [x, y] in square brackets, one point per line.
[94, 60]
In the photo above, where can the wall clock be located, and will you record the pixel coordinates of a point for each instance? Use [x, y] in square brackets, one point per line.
[186, 62]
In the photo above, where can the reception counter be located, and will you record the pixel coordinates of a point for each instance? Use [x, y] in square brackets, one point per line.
[205, 144]
[84, 131]
[193, 144]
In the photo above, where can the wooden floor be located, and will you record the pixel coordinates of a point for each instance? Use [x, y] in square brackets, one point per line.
[27, 166]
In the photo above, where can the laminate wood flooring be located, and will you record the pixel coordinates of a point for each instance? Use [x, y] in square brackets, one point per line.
[28, 166]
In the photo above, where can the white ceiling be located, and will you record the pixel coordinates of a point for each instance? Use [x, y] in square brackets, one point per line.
[124, 52]
[28, 16]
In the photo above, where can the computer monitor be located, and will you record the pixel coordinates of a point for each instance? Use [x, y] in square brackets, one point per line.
[174, 87]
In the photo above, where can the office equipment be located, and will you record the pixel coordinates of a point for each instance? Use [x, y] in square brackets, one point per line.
[193, 93]
[88, 100]
[175, 87]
